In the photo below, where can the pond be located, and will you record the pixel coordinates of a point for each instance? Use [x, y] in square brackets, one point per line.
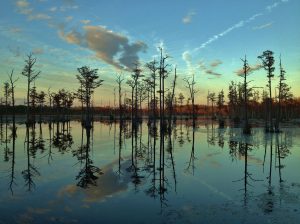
[113, 173]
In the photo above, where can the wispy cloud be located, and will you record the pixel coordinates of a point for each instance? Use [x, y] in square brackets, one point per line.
[188, 18]
[238, 25]
[38, 51]
[85, 21]
[15, 30]
[263, 26]
[210, 68]
[211, 72]
[22, 3]
[187, 58]
[15, 50]
[225, 32]
[69, 18]
[253, 68]
[216, 63]
[24, 7]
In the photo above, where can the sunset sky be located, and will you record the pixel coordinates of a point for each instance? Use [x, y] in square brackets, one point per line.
[206, 38]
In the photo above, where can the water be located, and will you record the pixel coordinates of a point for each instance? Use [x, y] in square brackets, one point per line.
[114, 174]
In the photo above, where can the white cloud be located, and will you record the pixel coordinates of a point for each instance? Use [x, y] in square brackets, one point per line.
[188, 18]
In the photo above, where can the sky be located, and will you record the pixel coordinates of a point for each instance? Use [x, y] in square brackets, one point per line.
[204, 38]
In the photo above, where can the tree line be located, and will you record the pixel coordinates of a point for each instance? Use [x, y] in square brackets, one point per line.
[149, 95]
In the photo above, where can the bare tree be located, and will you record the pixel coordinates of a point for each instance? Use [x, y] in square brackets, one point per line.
[31, 75]
[7, 93]
[246, 69]
[181, 98]
[212, 99]
[153, 67]
[191, 86]
[12, 88]
[220, 104]
[119, 80]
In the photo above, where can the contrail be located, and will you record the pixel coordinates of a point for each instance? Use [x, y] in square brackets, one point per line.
[240, 24]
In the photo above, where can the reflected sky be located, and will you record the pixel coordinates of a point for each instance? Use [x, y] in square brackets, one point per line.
[115, 172]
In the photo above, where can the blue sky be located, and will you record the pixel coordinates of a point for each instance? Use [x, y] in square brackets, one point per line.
[206, 38]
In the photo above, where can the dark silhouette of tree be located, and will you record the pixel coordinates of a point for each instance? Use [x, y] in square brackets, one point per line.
[131, 83]
[212, 99]
[233, 102]
[136, 77]
[153, 67]
[120, 78]
[180, 99]
[13, 160]
[41, 99]
[170, 101]
[12, 90]
[246, 69]
[190, 84]
[89, 173]
[283, 95]
[31, 171]
[220, 104]
[267, 59]
[31, 75]
[89, 80]
[163, 74]
[7, 94]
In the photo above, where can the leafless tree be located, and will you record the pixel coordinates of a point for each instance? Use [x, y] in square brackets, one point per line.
[120, 78]
[12, 81]
[190, 84]
[31, 75]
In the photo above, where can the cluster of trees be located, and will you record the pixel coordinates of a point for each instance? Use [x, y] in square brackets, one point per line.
[147, 84]
[245, 101]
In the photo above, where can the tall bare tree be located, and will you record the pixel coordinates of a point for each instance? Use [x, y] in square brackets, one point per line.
[31, 75]
[12, 81]
[190, 84]
[246, 69]
[120, 78]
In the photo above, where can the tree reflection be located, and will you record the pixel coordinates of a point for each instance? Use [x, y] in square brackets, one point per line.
[191, 164]
[89, 173]
[269, 198]
[62, 139]
[30, 147]
[13, 136]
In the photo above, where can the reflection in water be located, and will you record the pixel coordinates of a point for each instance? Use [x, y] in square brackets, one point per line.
[191, 164]
[62, 139]
[142, 160]
[30, 147]
[13, 136]
[88, 173]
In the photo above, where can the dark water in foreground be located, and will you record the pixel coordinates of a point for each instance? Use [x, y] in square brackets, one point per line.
[116, 174]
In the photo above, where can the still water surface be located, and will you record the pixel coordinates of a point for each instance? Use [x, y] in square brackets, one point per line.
[118, 174]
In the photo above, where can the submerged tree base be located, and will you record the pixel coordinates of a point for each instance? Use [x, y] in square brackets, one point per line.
[247, 129]
[221, 123]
